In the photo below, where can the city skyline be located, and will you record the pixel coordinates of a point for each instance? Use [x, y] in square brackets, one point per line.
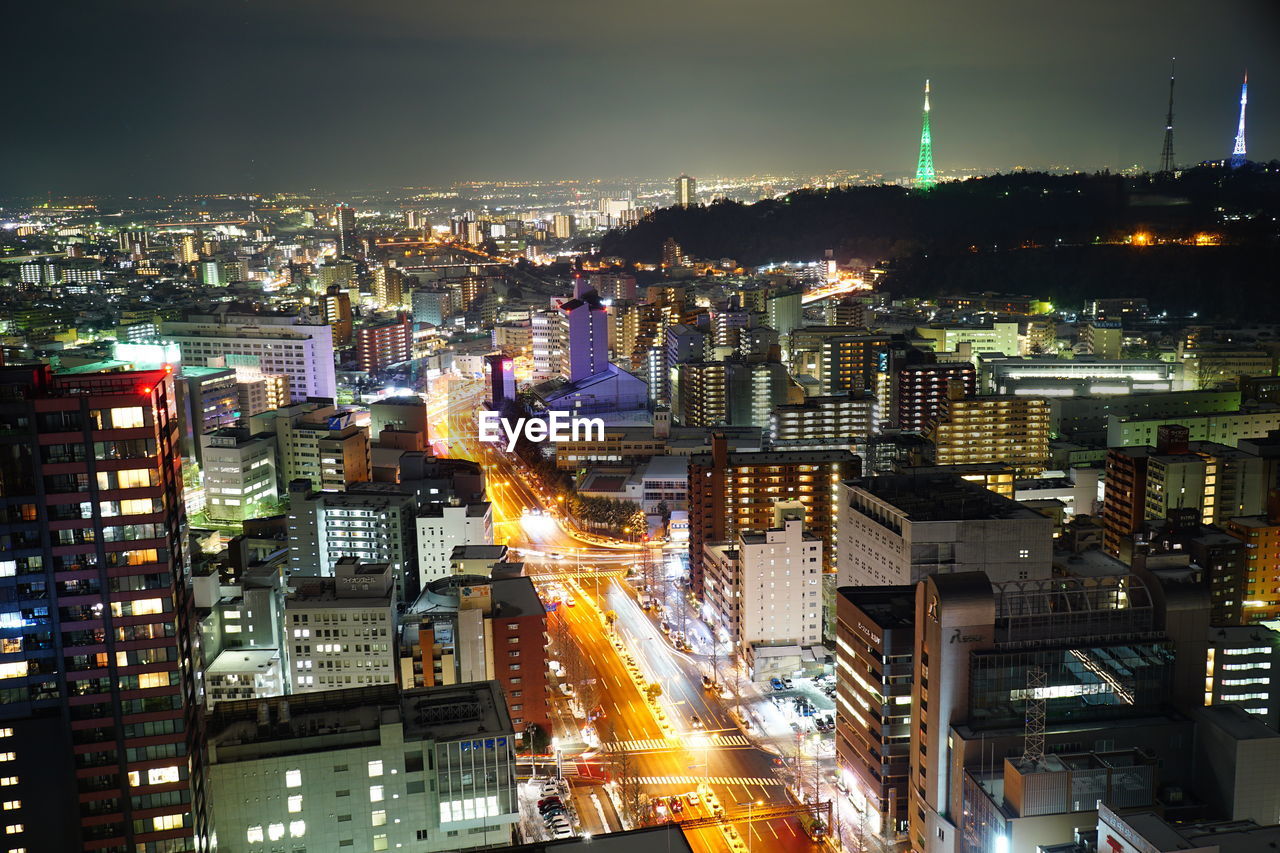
[440, 84]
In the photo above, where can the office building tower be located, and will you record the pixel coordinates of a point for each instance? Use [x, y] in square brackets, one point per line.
[550, 336]
[99, 729]
[587, 335]
[399, 414]
[344, 220]
[732, 492]
[239, 474]
[208, 399]
[1012, 430]
[1261, 533]
[274, 343]
[672, 255]
[443, 525]
[316, 442]
[500, 376]
[765, 588]
[335, 311]
[875, 644]
[384, 345]
[686, 191]
[1242, 668]
[896, 529]
[1031, 669]
[258, 392]
[373, 522]
[562, 226]
[340, 631]
[431, 305]
[341, 272]
[847, 364]
[429, 770]
[469, 628]
[922, 391]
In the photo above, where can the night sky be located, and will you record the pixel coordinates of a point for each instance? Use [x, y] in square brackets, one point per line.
[176, 96]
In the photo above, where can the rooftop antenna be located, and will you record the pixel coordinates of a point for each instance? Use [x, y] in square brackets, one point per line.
[1166, 156]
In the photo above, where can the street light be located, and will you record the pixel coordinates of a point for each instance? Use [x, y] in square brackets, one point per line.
[751, 804]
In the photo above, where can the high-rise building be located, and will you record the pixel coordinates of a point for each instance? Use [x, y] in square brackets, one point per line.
[316, 442]
[187, 251]
[442, 526]
[373, 768]
[273, 343]
[686, 191]
[385, 344]
[388, 288]
[1035, 668]
[467, 628]
[587, 335]
[844, 421]
[100, 734]
[1010, 429]
[875, 643]
[735, 491]
[922, 391]
[698, 393]
[432, 305]
[239, 474]
[895, 529]
[335, 310]
[340, 631]
[562, 226]
[765, 588]
[344, 220]
[1261, 533]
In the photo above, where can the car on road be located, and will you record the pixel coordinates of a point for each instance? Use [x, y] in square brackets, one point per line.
[676, 805]
[692, 797]
[695, 721]
[776, 683]
[566, 689]
[570, 601]
[666, 627]
[707, 683]
[556, 555]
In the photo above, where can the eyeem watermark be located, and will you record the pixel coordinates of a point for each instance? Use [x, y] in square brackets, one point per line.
[559, 426]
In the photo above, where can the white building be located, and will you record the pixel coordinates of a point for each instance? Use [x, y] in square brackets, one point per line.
[766, 590]
[443, 527]
[275, 343]
[347, 771]
[244, 674]
[550, 344]
[239, 473]
[340, 631]
[897, 529]
[317, 442]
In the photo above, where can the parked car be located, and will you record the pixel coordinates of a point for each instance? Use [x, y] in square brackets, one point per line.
[776, 683]
[786, 682]
[549, 802]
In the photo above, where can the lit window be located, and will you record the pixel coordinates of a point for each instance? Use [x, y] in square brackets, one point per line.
[8, 780]
[380, 841]
[254, 834]
[17, 669]
[295, 804]
[13, 829]
[10, 805]
[147, 607]
[166, 821]
[275, 831]
[297, 828]
[8, 756]
[375, 768]
[162, 775]
[379, 818]
[375, 793]
[292, 778]
[127, 418]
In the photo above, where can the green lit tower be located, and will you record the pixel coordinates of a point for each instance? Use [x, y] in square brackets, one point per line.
[925, 178]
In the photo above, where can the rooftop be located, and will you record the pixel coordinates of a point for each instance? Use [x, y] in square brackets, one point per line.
[887, 606]
[940, 497]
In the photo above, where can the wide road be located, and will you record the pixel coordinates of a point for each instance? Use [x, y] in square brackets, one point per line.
[658, 746]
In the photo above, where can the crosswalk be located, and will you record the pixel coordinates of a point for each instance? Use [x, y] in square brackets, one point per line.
[671, 743]
[710, 780]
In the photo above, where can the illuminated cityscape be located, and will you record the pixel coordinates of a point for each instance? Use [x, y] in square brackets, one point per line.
[522, 428]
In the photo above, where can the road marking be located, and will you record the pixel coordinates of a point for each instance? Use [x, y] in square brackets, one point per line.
[672, 743]
[713, 780]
